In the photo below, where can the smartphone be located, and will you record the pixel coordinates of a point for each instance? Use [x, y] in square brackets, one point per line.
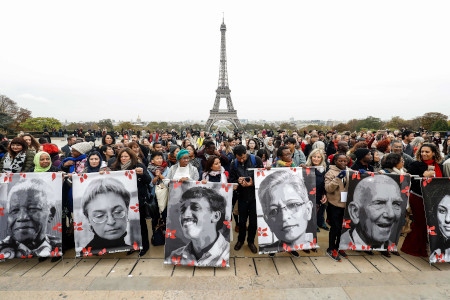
[248, 179]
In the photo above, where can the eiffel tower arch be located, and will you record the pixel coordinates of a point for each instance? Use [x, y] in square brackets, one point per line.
[223, 91]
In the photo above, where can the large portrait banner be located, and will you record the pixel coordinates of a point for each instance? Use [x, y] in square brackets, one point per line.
[106, 213]
[286, 209]
[198, 224]
[30, 215]
[436, 198]
[375, 211]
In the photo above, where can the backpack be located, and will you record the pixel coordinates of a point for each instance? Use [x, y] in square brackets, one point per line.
[252, 159]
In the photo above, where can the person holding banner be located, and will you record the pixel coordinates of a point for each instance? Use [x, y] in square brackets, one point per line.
[127, 160]
[30, 209]
[336, 183]
[428, 163]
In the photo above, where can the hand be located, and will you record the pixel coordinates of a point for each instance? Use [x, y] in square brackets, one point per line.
[342, 174]
[204, 181]
[324, 199]
[139, 171]
[362, 171]
[157, 172]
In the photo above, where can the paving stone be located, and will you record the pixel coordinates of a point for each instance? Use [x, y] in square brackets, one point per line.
[103, 267]
[226, 272]
[152, 267]
[22, 268]
[326, 265]
[155, 252]
[442, 266]
[359, 279]
[406, 292]
[122, 268]
[62, 268]
[419, 263]
[304, 265]
[82, 268]
[280, 282]
[41, 268]
[285, 266]
[8, 264]
[183, 271]
[402, 264]
[203, 271]
[362, 264]
[381, 263]
[245, 267]
[418, 278]
[265, 265]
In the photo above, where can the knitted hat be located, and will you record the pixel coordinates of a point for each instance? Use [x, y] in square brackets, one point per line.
[83, 147]
[173, 148]
[361, 152]
[182, 153]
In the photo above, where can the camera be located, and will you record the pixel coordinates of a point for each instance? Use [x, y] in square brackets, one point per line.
[247, 179]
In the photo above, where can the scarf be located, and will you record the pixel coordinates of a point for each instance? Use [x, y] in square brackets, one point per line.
[15, 164]
[79, 159]
[91, 169]
[152, 167]
[437, 169]
[222, 172]
[37, 165]
[281, 163]
[125, 165]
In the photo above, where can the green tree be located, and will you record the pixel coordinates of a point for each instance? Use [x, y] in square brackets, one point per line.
[428, 119]
[106, 123]
[16, 114]
[39, 123]
[439, 125]
[371, 123]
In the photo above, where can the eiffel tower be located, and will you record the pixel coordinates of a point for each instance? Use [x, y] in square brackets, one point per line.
[223, 90]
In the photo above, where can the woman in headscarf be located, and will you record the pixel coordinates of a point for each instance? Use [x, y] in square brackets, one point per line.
[183, 170]
[94, 163]
[18, 158]
[43, 163]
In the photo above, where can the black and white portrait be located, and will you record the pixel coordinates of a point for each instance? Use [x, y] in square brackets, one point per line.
[30, 215]
[286, 209]
[106, 213]
[375, 212]
[198, 224]
[436, 198]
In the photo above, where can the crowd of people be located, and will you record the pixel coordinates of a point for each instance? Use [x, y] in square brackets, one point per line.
[226, 158]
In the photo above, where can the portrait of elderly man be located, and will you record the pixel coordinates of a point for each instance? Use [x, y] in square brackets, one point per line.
[375, 213]
[30, 209]
[202, 213]
[286, 210]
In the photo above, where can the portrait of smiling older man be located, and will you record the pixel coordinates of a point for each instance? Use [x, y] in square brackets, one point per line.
[202, 213]
[375, 213]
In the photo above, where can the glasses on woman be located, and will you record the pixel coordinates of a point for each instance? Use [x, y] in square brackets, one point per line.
[100, 218]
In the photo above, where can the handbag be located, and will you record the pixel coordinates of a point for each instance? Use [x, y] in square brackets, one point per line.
[159, 234]
[151, 209]
[162, 195]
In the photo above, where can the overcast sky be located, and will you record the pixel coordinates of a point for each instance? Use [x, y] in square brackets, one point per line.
[328, 60]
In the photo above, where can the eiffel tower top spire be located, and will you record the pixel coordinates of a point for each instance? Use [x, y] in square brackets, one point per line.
[223, 73]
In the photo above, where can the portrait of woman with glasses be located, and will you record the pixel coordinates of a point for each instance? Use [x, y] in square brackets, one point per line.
[105, 205]
[287, 210]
